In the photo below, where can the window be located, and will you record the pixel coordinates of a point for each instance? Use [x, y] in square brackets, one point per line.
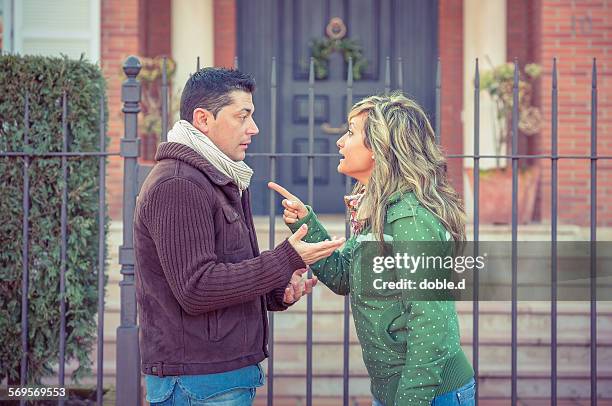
[42, 27]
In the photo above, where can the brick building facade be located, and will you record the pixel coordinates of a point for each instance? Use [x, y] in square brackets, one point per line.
[575, 32]
[537, 30]
[122, 35]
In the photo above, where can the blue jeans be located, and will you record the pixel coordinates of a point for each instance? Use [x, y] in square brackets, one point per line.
[233, 397]
[464, 396]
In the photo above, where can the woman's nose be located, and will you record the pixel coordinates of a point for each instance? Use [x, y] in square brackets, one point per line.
[340, 141]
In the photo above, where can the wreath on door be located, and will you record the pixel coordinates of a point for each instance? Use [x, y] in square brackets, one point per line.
[322, 48]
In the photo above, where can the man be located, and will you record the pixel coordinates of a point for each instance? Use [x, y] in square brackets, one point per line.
[203, 287]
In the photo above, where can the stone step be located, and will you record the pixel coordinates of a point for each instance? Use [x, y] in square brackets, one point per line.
[261, 400]
[492, 319]
[324, 301]
[494, 342]
[528, 386]
[329, 357]
[495, 372]
[327, 330]
[334, 223]
[494, 367]
[493, 384]
[494, 328]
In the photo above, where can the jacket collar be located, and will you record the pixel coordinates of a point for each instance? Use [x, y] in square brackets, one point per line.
[180, 152]
[407, 196]
[401, 204]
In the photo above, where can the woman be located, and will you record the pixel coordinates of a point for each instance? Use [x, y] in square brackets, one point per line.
[410, 348]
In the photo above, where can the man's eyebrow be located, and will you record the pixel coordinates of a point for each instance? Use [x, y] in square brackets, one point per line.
[246, 109]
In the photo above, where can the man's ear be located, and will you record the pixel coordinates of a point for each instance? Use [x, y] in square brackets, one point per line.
[202, 119]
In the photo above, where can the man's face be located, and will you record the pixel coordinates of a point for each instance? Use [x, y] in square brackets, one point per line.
[231, 131]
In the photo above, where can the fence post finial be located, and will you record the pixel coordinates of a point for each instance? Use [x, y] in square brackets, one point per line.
[130, 89]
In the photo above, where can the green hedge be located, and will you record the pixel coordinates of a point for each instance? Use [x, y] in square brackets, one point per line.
[45, 78]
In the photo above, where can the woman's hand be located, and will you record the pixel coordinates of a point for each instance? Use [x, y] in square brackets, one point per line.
[294, 208]
[294, 211]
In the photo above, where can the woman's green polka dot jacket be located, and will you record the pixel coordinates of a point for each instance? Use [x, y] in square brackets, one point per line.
[410, 348]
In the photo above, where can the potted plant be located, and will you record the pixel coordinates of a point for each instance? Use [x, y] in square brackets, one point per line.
[496, 183]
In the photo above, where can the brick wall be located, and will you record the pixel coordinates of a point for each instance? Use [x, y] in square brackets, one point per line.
[119, 39]
[575, 32]
[133, 27]
[225, 32]
[450, 43]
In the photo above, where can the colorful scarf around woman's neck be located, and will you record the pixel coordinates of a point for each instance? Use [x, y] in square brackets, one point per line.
[352, 203]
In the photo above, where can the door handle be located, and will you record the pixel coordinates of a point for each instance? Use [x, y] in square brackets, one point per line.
[328, 129]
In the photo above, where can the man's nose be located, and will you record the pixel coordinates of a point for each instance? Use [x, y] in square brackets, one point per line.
[253, 130]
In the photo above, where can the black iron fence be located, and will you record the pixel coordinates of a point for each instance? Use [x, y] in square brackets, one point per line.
[63, 156]
[128, 376]
[129, 380]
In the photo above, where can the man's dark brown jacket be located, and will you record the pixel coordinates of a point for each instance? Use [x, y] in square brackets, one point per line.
[202, 286]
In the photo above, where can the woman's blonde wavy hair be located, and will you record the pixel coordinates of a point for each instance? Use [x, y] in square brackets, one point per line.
[407, 158]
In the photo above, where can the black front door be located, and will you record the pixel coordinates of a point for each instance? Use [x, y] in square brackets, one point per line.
[285, 29]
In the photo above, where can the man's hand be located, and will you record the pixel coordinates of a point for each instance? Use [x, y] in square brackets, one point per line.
[294, 208]
[298, 287]
[312, 252]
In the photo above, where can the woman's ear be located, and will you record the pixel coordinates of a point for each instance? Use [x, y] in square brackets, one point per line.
[202, 119]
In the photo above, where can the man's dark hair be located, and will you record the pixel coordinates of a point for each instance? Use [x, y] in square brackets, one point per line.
[210, 88]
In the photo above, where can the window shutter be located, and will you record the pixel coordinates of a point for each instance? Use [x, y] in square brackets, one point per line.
[54, 27]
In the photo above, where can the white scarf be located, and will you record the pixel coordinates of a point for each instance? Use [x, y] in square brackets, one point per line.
[185, 133]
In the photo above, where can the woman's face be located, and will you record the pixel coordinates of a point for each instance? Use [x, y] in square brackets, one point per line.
[357, 162]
